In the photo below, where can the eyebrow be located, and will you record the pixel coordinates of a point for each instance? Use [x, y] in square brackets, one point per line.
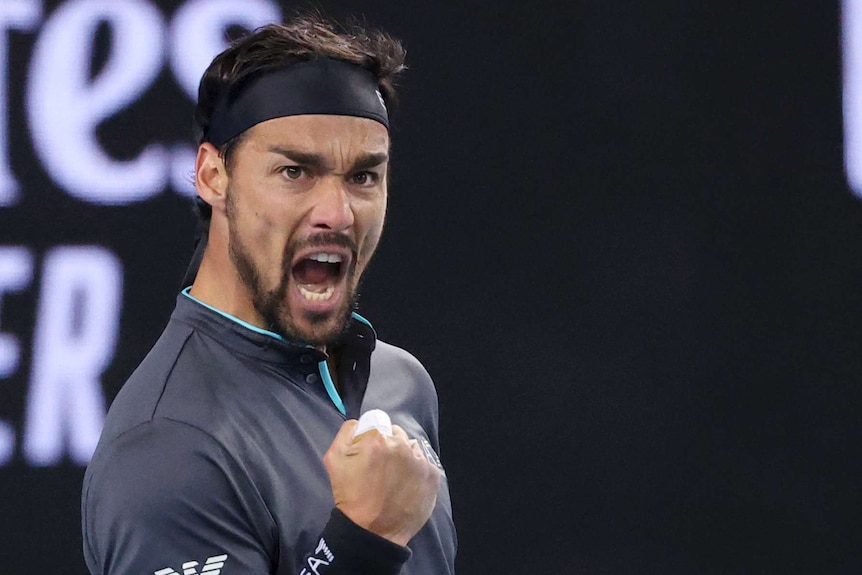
[318, 162]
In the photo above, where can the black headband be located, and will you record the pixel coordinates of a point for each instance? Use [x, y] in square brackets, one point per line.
[318, 86]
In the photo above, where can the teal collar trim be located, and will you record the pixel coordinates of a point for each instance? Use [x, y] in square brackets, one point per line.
[254, 328]
[358, 317]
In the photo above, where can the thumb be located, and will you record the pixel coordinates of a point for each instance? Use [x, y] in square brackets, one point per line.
[344, 437]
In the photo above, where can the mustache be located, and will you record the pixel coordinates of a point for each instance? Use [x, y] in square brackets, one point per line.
[326, 239]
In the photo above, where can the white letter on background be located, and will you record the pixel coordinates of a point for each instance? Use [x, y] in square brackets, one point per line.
[20, 15]
[74, 341]
[851, 20]
[16, 272]
[65, 106]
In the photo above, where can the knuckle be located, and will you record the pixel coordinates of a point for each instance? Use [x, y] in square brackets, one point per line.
[436, 478]
[378, 440]
[349, 425]
[404, 449]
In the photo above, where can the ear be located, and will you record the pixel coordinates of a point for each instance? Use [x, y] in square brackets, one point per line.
[211, 177]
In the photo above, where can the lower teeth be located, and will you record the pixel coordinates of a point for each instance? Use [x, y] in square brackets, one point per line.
[317, 296]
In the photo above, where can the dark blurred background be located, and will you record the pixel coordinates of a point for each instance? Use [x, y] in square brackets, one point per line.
[620, 238]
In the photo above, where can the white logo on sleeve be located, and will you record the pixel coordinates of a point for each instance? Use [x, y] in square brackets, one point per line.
[212, 566]
[431, 455]
[322, 557]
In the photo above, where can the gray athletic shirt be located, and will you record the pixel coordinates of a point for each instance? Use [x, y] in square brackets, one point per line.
[210, 461]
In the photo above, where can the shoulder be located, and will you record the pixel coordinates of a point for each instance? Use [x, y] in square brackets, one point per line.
[395, 361]
[399, 383]
[185, 377]
[141, 394]
[400, 367]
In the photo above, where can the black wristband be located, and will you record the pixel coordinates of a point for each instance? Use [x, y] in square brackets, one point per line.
[345, 548]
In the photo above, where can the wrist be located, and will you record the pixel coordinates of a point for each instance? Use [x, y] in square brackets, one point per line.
[352, 549]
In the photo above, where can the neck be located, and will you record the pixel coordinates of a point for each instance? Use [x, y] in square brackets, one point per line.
[217, 284]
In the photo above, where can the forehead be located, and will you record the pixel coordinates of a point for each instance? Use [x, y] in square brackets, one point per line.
[341, 136]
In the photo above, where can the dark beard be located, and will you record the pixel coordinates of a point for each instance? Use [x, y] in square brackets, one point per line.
[272, 304]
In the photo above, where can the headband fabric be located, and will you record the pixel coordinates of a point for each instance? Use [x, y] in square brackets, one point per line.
[317, 86]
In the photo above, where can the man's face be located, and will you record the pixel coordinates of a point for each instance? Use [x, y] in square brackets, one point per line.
[305, 206]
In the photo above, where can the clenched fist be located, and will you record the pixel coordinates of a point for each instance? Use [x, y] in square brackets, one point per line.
[383, 484]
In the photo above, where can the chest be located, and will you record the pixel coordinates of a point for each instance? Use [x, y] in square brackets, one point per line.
[283, 441]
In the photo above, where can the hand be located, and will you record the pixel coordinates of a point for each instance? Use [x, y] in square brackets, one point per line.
[383, 484]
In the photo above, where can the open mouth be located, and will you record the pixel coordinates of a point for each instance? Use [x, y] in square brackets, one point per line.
[318, 273]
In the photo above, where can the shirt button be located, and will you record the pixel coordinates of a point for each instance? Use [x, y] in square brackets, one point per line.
[312, 378]
[305, 358]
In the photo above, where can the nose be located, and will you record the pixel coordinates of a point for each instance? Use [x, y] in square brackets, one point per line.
[331, 209]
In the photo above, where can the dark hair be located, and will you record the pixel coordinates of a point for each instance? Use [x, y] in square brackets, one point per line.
[304, 37]
[275, 46]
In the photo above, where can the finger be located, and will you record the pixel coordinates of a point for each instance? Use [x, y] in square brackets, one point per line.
[370, 433]
[399, 433]
[344, 437]
[340, 445]
[417, 449]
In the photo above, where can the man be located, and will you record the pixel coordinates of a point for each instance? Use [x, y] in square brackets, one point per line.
[227, 451]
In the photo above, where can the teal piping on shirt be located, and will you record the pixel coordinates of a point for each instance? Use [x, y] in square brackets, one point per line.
[233, 318]
[324, 369]
[330, 387]
[361, 319]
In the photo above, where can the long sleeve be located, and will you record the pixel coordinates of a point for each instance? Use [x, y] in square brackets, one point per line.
[166, 495]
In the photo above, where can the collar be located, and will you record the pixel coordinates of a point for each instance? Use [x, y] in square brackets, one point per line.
[248, 339]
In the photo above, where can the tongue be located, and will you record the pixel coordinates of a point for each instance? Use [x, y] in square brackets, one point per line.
[313, 272]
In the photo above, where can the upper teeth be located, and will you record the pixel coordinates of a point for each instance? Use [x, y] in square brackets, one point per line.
[326, 258]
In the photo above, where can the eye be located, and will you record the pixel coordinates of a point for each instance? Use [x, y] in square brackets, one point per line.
[293, 172]
[364, 178]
